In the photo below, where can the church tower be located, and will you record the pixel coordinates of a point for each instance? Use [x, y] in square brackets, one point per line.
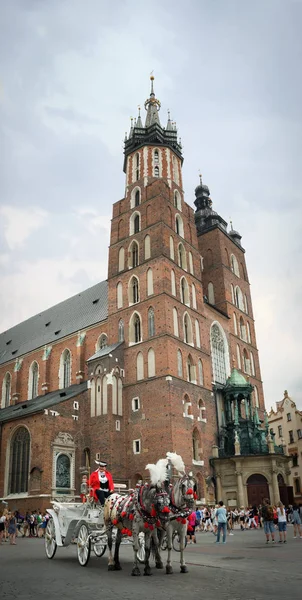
[155, 302]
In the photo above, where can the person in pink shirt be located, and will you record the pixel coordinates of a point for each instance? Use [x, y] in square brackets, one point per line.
[191, 528]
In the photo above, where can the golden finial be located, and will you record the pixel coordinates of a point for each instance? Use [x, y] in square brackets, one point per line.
[152, 76]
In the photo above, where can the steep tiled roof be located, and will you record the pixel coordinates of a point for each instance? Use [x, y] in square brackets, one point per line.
[67, 317]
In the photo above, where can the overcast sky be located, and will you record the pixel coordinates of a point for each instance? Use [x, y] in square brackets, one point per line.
[73, 72]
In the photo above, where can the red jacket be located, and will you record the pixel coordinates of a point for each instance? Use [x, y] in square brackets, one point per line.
[94, 482]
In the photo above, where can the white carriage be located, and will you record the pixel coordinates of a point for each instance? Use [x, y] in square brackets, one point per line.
[79, 523]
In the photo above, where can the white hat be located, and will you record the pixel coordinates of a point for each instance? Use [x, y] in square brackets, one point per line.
[101, 464]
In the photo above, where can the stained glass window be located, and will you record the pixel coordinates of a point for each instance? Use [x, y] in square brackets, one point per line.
[63, 471]
[19, 464]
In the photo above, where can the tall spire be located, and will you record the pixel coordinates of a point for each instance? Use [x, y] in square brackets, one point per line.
[152, 106]
[139, 119]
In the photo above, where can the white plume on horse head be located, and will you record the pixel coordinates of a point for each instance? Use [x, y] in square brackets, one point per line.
[177, 462]
[158, 471]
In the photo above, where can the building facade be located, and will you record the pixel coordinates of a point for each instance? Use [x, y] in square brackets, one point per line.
[286, 423]
[136, 365]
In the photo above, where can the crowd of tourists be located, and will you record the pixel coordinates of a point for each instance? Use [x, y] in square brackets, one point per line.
[14, 524]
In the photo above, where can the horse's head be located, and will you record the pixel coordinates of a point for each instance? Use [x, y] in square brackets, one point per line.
[184, 492]
[161, 501]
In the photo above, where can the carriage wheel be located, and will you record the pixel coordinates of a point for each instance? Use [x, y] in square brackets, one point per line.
[176, 542]
[83, 545]
[141, 549]
[99, 548]
[50, 539]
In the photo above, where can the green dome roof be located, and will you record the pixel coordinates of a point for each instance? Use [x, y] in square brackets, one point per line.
[236, 379]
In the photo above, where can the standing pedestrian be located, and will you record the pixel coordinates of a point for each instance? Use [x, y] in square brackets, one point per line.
[2, 526]
[281, 522]
[191, 528]
[12, 528]
[221, 515]
[296, 521]
[268, 520]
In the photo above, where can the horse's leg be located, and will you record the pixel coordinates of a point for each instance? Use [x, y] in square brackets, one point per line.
[182, 539]
[117, 565]
[110, 559]
[135, 570]
[169, 569]
[147, 569]
[156, 540]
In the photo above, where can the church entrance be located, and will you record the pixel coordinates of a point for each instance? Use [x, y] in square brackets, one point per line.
[257, 489]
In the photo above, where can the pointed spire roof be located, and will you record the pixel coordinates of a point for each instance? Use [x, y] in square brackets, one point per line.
[152, 106]
[169, 123]
[139, 122]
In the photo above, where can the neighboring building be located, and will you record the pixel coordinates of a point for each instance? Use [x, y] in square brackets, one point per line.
[138, 365]
[286, 422]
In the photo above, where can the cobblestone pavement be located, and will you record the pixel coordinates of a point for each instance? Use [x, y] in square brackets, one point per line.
[244, 568]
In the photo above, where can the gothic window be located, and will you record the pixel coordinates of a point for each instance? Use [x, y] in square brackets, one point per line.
[238, 358]
[135, 334]
[156, 171]
[120, 397]
[137, 198]
[173, 284]
[104, 396]
[133, 290]
[63, 471]
[134, 254]
[136, 224]
[234, 265]
[232, 293]
[177, 201]
[121, 330]
[147, 247]
[184, 291]
[6, 390]
[66, 368]
[188, 337]
[246, 363]
[19, 461]
[171, 248]
[179, 364]
[139, 366]
[248, 332]
[137, 166]
[200, 372]
[151, 322]
[187, 407]
[197, 333]
[102, 342]
[119, 294]
[246, 306]
[235, 324]
[191, 370]
[202, 411]
[121, 259]
[150, 290]
[114, 395]
[239, 298]
[156, 157]
[194, 304]
[33, 380]
[98, 396]
[182, 259]
[219, 354]
[175, 322]
[252, 364]
[211, 296]
[179, 228]
[242, 330]
[191, 269]
[151, 363]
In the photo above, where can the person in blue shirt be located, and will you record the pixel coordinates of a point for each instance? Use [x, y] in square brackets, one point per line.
[221, 516]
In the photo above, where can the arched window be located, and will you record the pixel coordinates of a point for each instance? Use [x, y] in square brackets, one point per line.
[120, 397]
[19, 461]
[200, 372]
[33, 380]
[177, 200]
[242, 330]
[119, 295]
[114, 395]
[246, 306]
[191, 269]
[139, 366]
[173, 283]
[156, 157]
[238, 358]
[184, 291]
[202, 411]
[197, 333]
[188, 337]
[156, 171]
[6, 390]
[150, 290]
[187, 407]
[235, 324]
[133, 290]
[179, 227]
[234, 265]
[137, 198]
[63, 475]
[252, 364]
[171, 248]
[175, 322]
[104, 396]
[137, 166]
[151, 363]
[134, 254]
[151, 322]
[239, 298]
[256, 396]
[191, 370]
[121, 330]
[220, 354]
[246, 363]
[135, 334]
[102, 342]
[179, 364]
[147, 247]
[232, 293]
[194, 304]
[211, 296]
[182, 257]
[248, 332]
[134, 223]
[66, 368]
[121, 259]
[175, 170]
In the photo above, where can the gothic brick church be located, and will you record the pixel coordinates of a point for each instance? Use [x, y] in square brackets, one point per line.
[143, 362]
